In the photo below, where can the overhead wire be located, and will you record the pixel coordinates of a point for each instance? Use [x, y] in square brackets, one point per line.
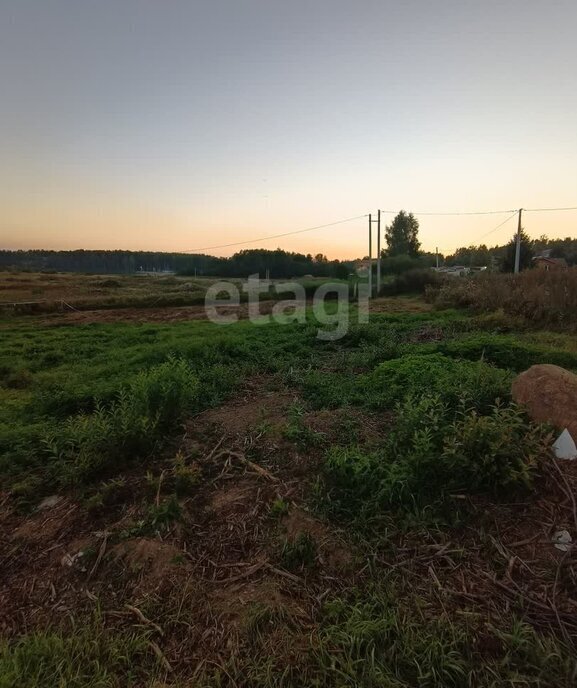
[392, 212]
[480, 212]
[546, 210]
[276, 236]
[498, 226]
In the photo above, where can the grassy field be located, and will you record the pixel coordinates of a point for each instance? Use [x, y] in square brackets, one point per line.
[185, 504]
[70, 293]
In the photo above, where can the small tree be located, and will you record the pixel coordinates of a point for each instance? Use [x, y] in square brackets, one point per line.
[402, 236]
[526, 256]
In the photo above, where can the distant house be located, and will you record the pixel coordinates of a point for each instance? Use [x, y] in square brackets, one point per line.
[546, 263]
[455, 270]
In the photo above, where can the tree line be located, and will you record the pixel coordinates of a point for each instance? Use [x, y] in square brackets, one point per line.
[502, 258]
[402, 253]
[403, 250]
[280, 264]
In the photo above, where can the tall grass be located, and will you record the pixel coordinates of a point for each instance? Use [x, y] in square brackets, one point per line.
[539, 296]
[378, 639]
[132, 425]
[89, 657]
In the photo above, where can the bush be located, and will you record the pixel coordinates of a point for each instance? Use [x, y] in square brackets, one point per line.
[506, 351]
[433, 453]
[396, 265]
[454, 381]
[130, 426]
[415, 281]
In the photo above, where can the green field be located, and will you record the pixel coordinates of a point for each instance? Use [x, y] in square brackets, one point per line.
[251, 506]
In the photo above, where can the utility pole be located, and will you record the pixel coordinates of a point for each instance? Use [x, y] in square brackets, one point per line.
[378, 252]
[370, 256]
[518, 244]
[437, 255]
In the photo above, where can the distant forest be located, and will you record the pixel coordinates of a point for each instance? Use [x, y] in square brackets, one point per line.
[496, 257]
[281, 264]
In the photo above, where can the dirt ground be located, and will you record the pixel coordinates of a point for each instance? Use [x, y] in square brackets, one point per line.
[199, 582]
[200, 579]
[71, 299]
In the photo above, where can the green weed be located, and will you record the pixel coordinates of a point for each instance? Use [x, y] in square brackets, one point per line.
[299, 553]
[90, 656]
[477, 384]
[185, 477]
[108, 494]
[131, 426]
[378, 638]
[297, 430]
[431, 454]
[278, 508]
[164, 515]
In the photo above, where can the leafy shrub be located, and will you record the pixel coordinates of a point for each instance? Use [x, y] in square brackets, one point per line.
[493, 452]
[110, 493]
[412, 282]
[431, 453]
[479, 384]
[163, 394]
[27, 492]
[506, 351]
[130, 426]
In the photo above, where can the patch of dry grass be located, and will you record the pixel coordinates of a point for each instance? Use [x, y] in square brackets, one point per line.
[538, 296]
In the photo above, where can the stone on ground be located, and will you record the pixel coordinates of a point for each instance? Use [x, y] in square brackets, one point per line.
[549, 395]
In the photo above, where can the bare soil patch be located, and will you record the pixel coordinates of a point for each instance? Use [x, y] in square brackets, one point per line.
[211, 585]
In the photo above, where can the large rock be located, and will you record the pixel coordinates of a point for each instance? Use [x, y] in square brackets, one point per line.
[549, 393]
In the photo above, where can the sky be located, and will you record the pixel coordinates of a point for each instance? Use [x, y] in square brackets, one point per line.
[180, 125]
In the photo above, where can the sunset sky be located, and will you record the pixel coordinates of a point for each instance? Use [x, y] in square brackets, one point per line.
[185, 124]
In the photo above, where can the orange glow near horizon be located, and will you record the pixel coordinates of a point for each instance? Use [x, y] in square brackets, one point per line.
[182, 125]
[120, 229]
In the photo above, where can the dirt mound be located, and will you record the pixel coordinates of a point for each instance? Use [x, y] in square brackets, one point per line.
[240, 497]
[549, 393]
[332, 552]
[267, 410]
[154, 560]
[236, 601]
[48, 526]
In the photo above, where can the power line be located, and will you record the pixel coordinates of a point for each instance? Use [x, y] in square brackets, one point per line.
[390, 212]
[546, 210]
[276, 236]
[498, 226]
[481, 212]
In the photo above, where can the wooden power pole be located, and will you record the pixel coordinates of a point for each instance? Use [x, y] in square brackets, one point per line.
[370, 256]
[378, 252]
[518, 244]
